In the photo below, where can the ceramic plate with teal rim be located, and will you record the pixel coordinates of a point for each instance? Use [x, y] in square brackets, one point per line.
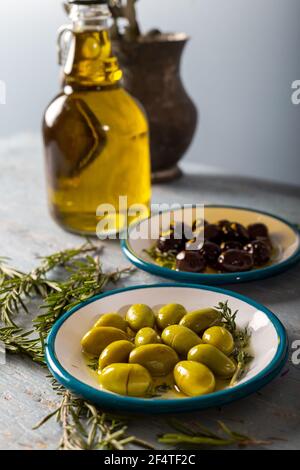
[285, 238]
[269, 346]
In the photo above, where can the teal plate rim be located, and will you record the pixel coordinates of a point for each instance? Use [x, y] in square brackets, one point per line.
[215, 279]
[111, 401]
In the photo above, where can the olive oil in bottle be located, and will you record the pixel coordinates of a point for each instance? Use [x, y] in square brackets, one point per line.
[95, 134]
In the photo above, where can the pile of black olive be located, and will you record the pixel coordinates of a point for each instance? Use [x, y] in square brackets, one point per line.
[228, 247]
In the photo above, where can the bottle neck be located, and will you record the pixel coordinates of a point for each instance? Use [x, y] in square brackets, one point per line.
[90, 61]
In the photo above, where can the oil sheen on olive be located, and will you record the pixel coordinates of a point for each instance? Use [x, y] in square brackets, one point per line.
[116, 352]
[146, 336]
[214, 359]
[158, 359]
[112, 319]
[260, 251]
[200, 320]
[170, 314]
[231, 245]
[99, 338]
[220, 338]
[180, 338]
[194, 379]
[233, 261]
[190, 261]
[126, 379]
[140, 316]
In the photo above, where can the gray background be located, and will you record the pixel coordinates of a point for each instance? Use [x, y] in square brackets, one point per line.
[239, 67]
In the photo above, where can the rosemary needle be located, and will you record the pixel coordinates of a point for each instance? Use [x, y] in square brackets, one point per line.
[203, 437]
[241, 340]
[16, 287]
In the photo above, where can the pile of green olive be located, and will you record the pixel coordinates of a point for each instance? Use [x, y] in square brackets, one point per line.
[193, 347]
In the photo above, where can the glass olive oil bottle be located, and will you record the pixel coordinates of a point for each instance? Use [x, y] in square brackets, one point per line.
[95, 134]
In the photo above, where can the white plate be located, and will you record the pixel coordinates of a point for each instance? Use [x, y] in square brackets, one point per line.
[66, 362]
[285, 238]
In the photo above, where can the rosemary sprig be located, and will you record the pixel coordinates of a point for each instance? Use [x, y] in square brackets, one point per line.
[228, 317]
[200, 436]
[159, 391]
[166, 260]
[241, 340]
[17, 287]
[93, 364]
[18, 341]
[7, 272]
[85, 427]
[86, 280]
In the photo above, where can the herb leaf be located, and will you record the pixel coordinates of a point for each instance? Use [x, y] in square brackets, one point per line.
[241, 339]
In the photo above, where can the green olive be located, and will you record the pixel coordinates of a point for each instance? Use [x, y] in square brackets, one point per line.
[214, 359]
[158, 359]
[112, 319]
[140, 316]
[201, 319]
[146, 336]
[116, 352]
[170, 314]
[131, 334]
[126, 379]
[99, 338]
[220, 338]
[180, 338]
[194, 379]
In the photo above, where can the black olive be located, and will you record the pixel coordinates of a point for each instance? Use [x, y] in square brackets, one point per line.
[190, 261]
[211, 252]
[257, 231]
[235, 261]
[231, 245]
[267, 241]
[213, 233]
[199, 223]
[223, 223]
[168, 242]
[235, 232]
[181, 231]
[260, 250]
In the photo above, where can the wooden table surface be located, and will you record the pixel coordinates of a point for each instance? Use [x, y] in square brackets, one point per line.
[28, 231]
